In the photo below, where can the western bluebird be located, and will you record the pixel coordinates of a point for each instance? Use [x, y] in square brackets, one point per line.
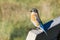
[36, 20]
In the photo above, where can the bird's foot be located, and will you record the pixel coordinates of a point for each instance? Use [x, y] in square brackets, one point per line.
[37, 28]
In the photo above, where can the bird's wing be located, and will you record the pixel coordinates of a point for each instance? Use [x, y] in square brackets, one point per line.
[39, 20]
[41, 25]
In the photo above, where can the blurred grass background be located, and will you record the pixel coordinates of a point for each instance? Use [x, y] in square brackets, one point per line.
[15, 16]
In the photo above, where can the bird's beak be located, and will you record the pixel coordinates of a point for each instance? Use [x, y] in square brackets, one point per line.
[31, 11]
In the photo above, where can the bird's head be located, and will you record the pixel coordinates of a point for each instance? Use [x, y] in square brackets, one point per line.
[34, 10]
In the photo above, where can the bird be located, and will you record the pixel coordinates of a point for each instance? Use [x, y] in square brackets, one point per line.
[35, 19]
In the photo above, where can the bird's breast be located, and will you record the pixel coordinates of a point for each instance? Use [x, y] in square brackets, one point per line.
[34, 20]
[33, 17]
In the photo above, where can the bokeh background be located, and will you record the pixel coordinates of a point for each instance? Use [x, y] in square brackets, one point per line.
[15, 16]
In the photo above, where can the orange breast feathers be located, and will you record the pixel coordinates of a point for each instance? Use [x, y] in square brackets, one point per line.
[33, 19]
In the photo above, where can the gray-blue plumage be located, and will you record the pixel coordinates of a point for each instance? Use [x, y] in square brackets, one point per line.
[45, 26]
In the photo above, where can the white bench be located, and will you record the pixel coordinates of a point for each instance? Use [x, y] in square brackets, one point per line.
[40, 35]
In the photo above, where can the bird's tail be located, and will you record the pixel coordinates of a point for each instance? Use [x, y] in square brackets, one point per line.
[43, 30]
